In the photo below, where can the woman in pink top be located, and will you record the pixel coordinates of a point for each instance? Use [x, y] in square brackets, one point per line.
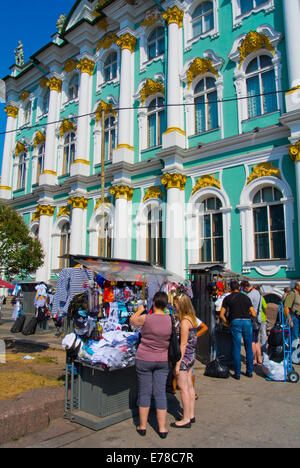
[152, 364]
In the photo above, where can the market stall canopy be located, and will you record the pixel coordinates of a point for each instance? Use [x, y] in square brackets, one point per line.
[126, 270]
[5, 284]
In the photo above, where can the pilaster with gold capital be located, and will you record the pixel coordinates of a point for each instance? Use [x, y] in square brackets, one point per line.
[174, 181]
[126, 41]
[294, 151]
[122, 191]
[86, 65]
[9, 142]
[173, 15]
[78, 202]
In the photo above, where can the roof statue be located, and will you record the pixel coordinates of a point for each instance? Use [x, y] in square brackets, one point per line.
[60, 23]
[19, 54]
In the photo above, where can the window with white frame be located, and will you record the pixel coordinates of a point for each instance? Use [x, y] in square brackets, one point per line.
[64, 245]
[45, 102]
[206, 105]
[104, 238]
[21, 171]
[261, 86]
[110, 136]
[269, 224]
[73, 88]
[247, 5]
[154, 233]
[156, 43]
[156, 117]
[110, 67]
[211, 231]
[27, 113]
[203, 18]
[243, 8]
[40, 161]
[69, 151]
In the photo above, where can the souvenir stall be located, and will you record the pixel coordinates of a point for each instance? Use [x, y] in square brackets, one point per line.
[101, 344]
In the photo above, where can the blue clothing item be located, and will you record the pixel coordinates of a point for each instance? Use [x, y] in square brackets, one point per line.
[295, 331]
[242, 328]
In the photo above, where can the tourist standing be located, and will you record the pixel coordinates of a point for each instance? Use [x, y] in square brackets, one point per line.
[255, 298]
[292, 312]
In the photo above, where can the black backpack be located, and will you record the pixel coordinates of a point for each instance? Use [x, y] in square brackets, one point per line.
[30, 327]
[217, 370]
[276, 336]
[18, 325]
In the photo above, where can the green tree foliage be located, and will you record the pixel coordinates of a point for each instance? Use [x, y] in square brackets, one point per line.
[20, 254]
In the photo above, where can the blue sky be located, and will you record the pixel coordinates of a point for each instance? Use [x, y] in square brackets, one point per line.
[33, 23]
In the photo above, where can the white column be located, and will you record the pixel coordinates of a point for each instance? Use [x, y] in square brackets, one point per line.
[292, 19]
[7, 160]
[81, 165]
[174, 134]
[45, 230]
[49, 175]
[78, 224]
[122, 238]
[124, 150]
[175, 223]
[294, 151]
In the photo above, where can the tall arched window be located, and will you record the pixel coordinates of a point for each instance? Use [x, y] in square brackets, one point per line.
[260, 79]
[156, 122]
[45, 102]
[247, 5]
[206, 106]
[40, 161]
[155, 236]
[105, 238]
[211, 231]
[64, 245]
[203, 18]
[110, 137]
[73, 88]
[27, 113]
[21, 171]
[269, 224]
[69, 152]
[156, 43]
[110, 67]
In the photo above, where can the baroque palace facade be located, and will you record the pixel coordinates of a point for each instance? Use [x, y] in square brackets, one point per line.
[195, 105]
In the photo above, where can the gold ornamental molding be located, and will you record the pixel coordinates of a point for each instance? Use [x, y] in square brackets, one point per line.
[127, 41]
[86, 66]
[153, 192]
[54, 84]
[99, 203]
[43, 82]
[64, 211]
[174, 181]
[35, 216]
[174, 15]
[125, 146]
[252, 42]
[5, 187]
[20, 148]
[49, 172]
[24, 96]
[263, 169]
[174, 129]
[208, 180]
[81, 161]
[151, 87]
[70, 65]
[40, 138]
[152, 17]
[105, 107]
[78, 202]
[198, 67]
[12, 111]
[45, 210]
[107, 41]
[67, 126]
[294, 151]
[122, 191]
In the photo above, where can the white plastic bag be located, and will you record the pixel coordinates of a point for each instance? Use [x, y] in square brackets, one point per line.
[273, 370]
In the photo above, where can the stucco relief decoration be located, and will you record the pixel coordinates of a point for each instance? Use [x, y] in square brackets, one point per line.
[43, 82]
[254, 41]
[153, 192]
[60, 23]
[174, 15]
[39, 139]
[198, 67]
[152, 17]
[151, 87]
[54, 84]
[35, 216]
[104, 107]
[64, 211]
[67, 126]
[70, 65]
[78, 202]
[20, 148]
[99, 203]
[107, 41]
[24, 96]
[208, 180]
[12, 111]
[122, 191]
[174, 181]
[45, 210]
[294, 151]
[127, 41]
[102, 24]
[86, 66]
[264, 169]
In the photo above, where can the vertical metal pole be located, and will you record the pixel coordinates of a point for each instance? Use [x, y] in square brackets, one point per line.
[102, 233]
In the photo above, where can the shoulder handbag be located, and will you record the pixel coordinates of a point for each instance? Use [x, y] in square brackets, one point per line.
[174, 348]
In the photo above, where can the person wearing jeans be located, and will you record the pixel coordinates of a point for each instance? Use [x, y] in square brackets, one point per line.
[292, 314]
[240, 311]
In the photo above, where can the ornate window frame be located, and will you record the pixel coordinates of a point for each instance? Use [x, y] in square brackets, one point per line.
[270, 267]
[189, 8]
[94, 228]
[56, 237]
[144, 34]
[238, 17]
[274, 38]
[97, 132]
[101, 57]
[141, 222]
[68, 77]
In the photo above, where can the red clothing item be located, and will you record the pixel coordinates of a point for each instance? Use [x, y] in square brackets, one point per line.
[155, 342]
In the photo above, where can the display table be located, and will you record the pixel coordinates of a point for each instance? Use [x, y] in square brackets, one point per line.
[97, 398]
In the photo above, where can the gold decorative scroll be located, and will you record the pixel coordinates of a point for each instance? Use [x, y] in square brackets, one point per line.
[254, 41]
[206, 181]
[263, 169]
[70, 65]
[174, 181]
[63, 211]
[151, 87]
[40, 138]
[122, 191]
[20, 148]
[86, 66]
[294, 151]
[24, 96]
[153, 192]
[107, 41]
[104, 107]
[174, 15]
[102, 24]
[35, 216]
[152, 17]
[45, 210]
[98, 203]
[78, 202]
[67, 126]
[43, 82]
[127, 41]
[200, 66]
[54, 84]
[12, 111]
